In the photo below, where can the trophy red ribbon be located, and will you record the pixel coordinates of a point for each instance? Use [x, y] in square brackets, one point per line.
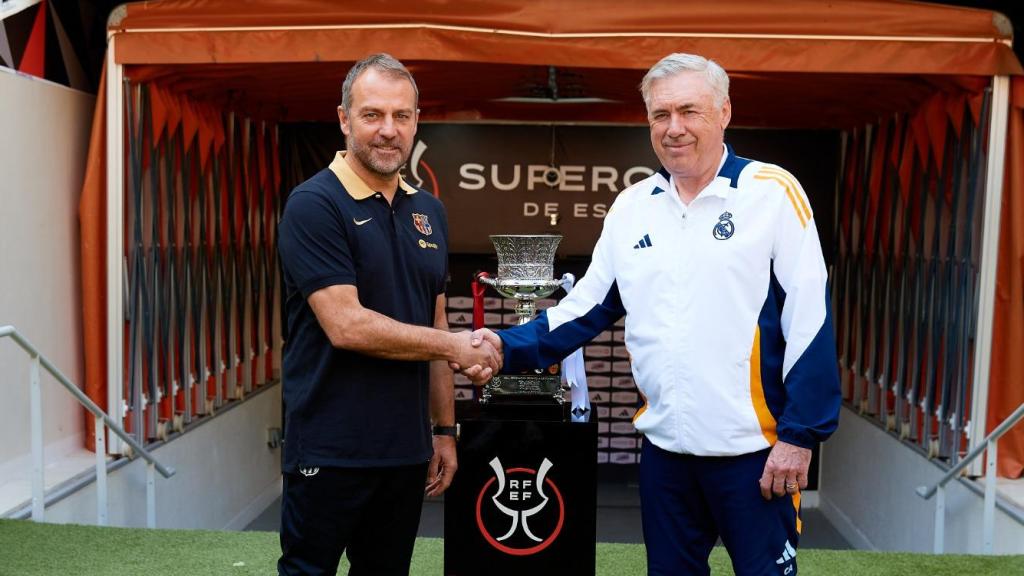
[479, 289]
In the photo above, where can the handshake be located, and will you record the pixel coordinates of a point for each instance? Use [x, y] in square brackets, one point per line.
[476, 355]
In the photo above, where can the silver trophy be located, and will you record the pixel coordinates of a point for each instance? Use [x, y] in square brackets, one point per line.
[525, 270]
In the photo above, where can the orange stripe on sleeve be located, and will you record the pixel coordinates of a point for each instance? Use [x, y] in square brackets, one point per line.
[764, 416]
[642, 408]
[795, 186]
[789, 194]
[796, 504]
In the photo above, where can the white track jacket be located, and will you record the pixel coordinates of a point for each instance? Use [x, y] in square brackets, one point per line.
[727, 313]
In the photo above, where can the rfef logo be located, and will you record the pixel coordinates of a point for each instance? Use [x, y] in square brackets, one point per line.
[520, 511]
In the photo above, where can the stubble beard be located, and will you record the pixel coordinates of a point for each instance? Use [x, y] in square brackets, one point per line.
[385, 168]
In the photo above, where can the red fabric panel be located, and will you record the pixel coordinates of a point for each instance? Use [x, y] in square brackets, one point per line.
[216, 122]
[917, 209]
[1006, 391]
[173, 105]
[955, 104]
[92, 218]
[875, 187]
[238, 163]
[975, 102]
[189, 121]
[144, 111]
[896, 150]
[855, 149]
[261, 152]
[885, 214]
[907, 161]
[919, 129]
[206, 132]
[937, 125]
[158, 110]
[276, 160]
[33, 60]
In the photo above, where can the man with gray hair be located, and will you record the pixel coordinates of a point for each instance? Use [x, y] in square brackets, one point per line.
[716, 264]
[368, 399]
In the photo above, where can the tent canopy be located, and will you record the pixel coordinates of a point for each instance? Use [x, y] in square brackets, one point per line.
[572, 60]
[793, 63]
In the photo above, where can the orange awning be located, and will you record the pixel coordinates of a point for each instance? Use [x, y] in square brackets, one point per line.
[867, 57]
[867, 36]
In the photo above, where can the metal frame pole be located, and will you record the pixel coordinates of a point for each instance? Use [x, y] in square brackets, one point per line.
[36, 424]
[150, 495]
[988, 261]
[115, 240]
[939, 543]
[988, 517]
[101, 472]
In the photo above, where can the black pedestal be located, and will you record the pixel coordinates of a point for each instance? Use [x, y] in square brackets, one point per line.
[524, 498]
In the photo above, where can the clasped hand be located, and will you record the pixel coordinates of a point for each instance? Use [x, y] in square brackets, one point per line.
[479, 356]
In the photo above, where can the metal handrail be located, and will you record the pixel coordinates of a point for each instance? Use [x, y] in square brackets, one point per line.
[989, 444]
[103, 421]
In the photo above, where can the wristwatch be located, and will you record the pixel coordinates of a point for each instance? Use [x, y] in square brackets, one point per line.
[453, 431]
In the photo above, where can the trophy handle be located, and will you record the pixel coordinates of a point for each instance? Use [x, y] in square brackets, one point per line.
[485, 278]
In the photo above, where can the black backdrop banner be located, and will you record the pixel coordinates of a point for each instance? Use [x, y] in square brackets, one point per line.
[501, 179]
[529, 179]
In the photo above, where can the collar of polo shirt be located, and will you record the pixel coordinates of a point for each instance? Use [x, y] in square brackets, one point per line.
[720, 185]
[356, 186]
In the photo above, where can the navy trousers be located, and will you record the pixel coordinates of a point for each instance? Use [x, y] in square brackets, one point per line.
[371, 514]
[688, 502]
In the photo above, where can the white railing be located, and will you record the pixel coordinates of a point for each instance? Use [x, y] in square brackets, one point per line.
[988, 445]
[103, 421]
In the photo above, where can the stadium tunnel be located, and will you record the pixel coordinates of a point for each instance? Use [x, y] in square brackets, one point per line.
[906, 139]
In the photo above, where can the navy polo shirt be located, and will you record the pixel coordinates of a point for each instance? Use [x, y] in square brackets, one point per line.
[344, 408]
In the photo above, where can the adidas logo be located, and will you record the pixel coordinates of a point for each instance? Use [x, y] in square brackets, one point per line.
[644, 242]
[788, 553]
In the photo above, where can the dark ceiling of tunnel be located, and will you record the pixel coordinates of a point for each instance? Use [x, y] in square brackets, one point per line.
[478, 92]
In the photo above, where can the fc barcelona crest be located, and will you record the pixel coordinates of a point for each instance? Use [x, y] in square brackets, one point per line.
[422, 223]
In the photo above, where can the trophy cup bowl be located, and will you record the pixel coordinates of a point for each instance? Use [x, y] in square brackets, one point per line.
[525, 270]
[522, 290]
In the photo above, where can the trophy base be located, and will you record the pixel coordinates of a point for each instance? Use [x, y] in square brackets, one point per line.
[524, 389]
[523, 411]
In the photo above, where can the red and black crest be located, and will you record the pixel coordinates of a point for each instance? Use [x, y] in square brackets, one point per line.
[422, 223]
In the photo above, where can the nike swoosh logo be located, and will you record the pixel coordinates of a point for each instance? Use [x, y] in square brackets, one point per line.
[361, 222]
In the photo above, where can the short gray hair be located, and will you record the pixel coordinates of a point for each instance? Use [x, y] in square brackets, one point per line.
[676, 63]
[387, 65]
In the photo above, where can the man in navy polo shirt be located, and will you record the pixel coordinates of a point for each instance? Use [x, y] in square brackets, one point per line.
[365, 258]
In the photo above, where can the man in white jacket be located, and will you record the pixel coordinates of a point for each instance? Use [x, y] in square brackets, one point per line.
[715, 262]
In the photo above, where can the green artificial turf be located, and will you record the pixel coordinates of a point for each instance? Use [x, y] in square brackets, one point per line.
[28, 549]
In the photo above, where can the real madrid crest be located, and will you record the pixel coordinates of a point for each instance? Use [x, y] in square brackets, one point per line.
[725, 228]
[422, 224]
